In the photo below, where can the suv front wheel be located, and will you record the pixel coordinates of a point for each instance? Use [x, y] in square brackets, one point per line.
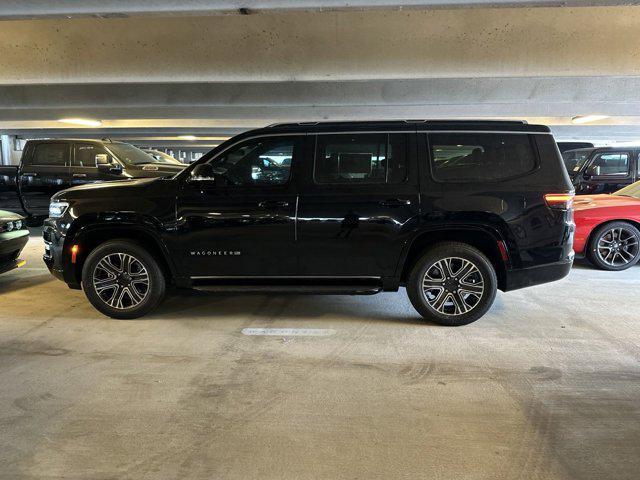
[122, 280]
[452, 284]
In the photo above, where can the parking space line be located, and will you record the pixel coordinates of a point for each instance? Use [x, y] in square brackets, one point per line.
[289, 332]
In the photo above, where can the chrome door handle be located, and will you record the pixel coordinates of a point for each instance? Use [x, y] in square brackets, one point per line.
[30, 174]
[395, 202]
[273, 204]
[80, 175]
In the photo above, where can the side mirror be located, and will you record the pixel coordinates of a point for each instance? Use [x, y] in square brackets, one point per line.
[102, 159]
[105, 164]
[593, 170]
[202, 173]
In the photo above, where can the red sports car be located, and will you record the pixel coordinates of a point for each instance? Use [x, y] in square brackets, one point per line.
[608, 228]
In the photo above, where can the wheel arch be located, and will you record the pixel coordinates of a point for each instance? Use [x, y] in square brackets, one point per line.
[90, 235]
[485, 240]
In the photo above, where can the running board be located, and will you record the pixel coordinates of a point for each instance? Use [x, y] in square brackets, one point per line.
[296, 289]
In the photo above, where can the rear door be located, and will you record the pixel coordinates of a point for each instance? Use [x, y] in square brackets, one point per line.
[83, 166]
[44, 171]
[358, 205]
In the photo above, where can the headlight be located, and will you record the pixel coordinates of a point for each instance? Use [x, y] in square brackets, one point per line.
[17, 224]
[57, 209]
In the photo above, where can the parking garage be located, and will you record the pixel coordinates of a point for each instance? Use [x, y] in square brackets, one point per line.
[265, 382]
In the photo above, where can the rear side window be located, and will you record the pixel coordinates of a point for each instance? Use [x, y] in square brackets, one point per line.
[478, 157]
[362, 158]
[51, 154]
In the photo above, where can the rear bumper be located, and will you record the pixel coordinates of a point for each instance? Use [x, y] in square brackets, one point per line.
[528, 277]
[11, 244]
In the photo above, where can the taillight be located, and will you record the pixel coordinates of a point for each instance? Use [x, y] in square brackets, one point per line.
[561, 201]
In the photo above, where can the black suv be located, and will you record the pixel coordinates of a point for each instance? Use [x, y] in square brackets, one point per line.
[451, 210]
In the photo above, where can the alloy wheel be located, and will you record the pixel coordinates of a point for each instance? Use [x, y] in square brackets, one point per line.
[618, 246]
[453, 286]
[121, 281]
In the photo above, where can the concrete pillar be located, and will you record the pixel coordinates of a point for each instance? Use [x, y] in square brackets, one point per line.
[7, 147]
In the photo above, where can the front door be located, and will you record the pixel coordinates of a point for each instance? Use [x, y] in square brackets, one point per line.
[356, 211]
[243, 223]
[84, 168]
[607, 172]
[44, 171]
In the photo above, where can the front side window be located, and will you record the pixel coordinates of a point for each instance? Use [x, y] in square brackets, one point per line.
[260, 161]
[611, 163]
[360, 158]
[477, 157]
[51, 154]
[85, 154]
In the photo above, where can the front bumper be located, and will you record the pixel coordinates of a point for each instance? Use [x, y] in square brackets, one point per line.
[11, 244]
[54, 252]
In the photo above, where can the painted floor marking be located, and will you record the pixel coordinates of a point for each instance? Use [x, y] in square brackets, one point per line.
[289, 332]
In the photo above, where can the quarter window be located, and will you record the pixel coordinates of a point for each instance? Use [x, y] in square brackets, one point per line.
[470, 157]
[51, 154]
[262, 161]
[360, 158]
[612, 163]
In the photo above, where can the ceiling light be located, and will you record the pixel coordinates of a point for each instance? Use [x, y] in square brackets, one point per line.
[187, 137]
[580, 119]
[82, 121]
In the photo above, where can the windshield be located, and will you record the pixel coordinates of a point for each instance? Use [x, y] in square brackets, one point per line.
[159, 156]
[132, 155]
[574, 160]
[632, 190]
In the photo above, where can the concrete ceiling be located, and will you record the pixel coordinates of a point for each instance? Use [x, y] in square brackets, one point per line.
[33, 9]
[219, 74]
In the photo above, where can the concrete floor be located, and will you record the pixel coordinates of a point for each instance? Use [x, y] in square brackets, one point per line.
[546, 386]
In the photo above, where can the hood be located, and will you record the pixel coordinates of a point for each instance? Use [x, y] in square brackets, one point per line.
[9, 216]
[100, 189]
[584, 202]
[154, 170]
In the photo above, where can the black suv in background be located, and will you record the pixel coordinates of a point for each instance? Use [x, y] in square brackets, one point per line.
[451, 210]
[48, 166]
[602, 170]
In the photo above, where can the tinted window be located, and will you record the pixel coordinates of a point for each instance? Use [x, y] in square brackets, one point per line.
[55, 154]
[262, 161]
[465, 157]
[574, 160]
[361, 158]
[85, 154]
[612, 163]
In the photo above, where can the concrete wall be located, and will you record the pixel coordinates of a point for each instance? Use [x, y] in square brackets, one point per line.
[324, 46]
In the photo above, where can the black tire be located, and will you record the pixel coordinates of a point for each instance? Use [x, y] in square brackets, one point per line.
[143, 280]
[452, 312]
[628, 246]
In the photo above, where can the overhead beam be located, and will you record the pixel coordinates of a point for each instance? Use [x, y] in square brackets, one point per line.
[311, 101]
[33, 9]
[309, 46]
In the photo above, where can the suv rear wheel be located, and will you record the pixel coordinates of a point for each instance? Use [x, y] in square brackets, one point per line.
[452, 284]
[615, 246]
[122, 280]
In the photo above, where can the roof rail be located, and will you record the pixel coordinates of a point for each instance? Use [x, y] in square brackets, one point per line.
[448, 122]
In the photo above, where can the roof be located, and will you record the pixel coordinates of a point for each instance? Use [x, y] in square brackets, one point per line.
[410, 125]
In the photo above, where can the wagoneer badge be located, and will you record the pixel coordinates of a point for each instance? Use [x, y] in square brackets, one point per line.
[214, 253]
